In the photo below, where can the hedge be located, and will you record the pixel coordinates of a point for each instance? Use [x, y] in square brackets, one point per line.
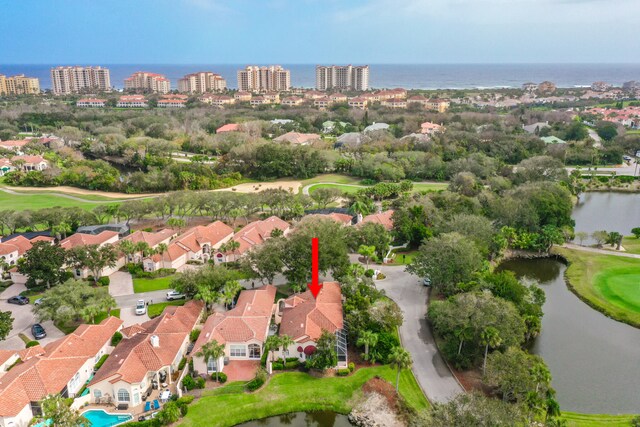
[101, 362]
[116, 338]
[32, 344]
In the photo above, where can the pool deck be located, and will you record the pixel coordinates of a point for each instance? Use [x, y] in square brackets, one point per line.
[137, 410]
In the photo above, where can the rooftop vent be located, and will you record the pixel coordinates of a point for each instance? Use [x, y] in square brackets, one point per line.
[155, 340]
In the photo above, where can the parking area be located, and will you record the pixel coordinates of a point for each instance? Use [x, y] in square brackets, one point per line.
[23, 319]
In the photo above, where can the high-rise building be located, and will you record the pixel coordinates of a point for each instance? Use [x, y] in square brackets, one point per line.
[201, 82]
[19, 85]
[347, 77]
[66, 80]
[260, 79]
[147, 82]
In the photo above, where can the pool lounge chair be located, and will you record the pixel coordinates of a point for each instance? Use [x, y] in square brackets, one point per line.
[156, 404]
[147, 407]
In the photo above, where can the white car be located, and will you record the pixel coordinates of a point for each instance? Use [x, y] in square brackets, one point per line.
[173, 295]
[141, 307]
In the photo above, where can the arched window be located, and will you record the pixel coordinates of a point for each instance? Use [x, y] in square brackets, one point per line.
[123, 395]
[254, 351]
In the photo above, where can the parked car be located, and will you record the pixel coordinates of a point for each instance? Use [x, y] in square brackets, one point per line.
[38, 331]
[426, 281]
[18, 299]
[141, 307]
[173, 295]
[38, 301]
[627, 158]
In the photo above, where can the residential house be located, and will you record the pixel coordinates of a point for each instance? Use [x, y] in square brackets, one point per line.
[217, 100]
[242, 96]
[153, 240]
[147, 356]
[172, 103]
[242, 330]
[197, 243]
[383, 218]
[322, 103]
[101, 239]
[376, 127]
[314, 94]
[229, 127]
[61, 367]
[29, 163]
[258, 100]
[11, 250]
[303, 318]
[535, 128]
[6, 166]
[439, 105]
[132, 101]
[394, 103]
[14, 145]
[358, 102]
[298, 138]
[91, 103]
[272, 97]
[428, 128]
[338, 98]
[255, 233]
[293, 101]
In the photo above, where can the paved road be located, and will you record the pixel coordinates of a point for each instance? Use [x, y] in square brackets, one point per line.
[600, 251]
[624, 169]
[429, 368]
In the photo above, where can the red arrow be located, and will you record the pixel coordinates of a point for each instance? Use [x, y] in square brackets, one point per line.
[314, 286]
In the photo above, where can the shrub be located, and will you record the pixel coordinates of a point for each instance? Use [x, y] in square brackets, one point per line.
[386, 342]
[292, 365]
[148, 423]
[277, 366]
[343, 372]
[258, 381]
[104, 281]
[381, 276]
[101, 362]
[116, 338]
[134, 269]
[369, 273]
[32, 344]
[187, 398]
[222, 377]
[291, 359]
[200, 382]
[182, 364]
[352, 366]
[189, 383]
[193, 336]
[191, 365]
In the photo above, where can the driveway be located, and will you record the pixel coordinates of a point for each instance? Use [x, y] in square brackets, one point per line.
[120, 283]
[429, 368]
[23, 318]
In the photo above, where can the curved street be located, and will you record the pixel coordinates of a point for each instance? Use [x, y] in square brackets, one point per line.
[433, 374]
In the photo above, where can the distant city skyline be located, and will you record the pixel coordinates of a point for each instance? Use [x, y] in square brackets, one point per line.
[67, 32]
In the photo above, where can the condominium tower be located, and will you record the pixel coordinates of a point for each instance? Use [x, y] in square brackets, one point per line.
[147, 82]
[19, 85]
[260, 79]
[347, 77]
[66, 80]
[202, 82]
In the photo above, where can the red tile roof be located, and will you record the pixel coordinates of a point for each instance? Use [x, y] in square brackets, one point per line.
[383, 218]
[229, 127]
[305, 317]
[82, 239]
[257, 232]
[249, 320]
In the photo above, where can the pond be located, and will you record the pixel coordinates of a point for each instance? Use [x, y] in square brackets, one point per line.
[608, 211]
[303, 419]
[594, 360]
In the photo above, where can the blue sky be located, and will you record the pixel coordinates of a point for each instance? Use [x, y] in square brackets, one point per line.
[318, 31]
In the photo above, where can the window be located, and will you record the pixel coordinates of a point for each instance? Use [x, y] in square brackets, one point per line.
[254, 351]
[238, 351]
[212, 366]
[97, 394]
[123, 395]
[136, 398]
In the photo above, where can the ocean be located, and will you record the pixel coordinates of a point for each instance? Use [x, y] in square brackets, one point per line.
[409, 76]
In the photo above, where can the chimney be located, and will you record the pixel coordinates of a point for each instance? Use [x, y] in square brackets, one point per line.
[155, 340]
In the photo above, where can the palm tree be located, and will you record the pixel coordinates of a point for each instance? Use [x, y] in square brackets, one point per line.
[231, 288]
[272, 344]
[368, 339]
[462, 334]
[230, 246]
[128, 248]
[285, 342]
[400, 359]
[360, 207]
[207, 295]
[161, 248]
[490, 337]
[212, 350]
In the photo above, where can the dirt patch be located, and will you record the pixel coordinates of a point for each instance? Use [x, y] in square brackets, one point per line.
[379, 408]
[472, 380]
[81, 191]
[256, 187]
[383, 388]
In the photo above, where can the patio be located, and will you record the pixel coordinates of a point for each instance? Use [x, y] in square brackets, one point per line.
[137, 410]
[241, 370]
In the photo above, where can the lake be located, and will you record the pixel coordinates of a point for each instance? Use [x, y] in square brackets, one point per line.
[594, 360]
[302, 419]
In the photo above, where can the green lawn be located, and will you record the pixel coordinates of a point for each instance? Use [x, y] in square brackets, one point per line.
[596, 420]
[25, 201]
[431, 186]
[408, 256]
[417, 187]
[148, 285]
[100, 317]
[293, 392]
[332, 177]
[343, 188]
[608, 283]
[155, 310]
[631, 245]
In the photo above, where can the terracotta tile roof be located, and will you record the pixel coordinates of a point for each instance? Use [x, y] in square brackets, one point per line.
[82, 239]
[42, 239]
[49, 370]
[33, 160]
[383, 218]
[337, 217]
[14, 143]
[249, 320]
[297, 138]
[152, 239]
[6, 249]
[20, 242]
[173, 252]
[135, 356]
[6, 355]
[305, 317]
[195, 238]
[229, 127]
[257, 232]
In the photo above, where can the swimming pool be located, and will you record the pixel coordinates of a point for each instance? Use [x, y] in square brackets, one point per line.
[100, 418]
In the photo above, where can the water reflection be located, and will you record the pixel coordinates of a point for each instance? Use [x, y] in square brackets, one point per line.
[302, 419]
